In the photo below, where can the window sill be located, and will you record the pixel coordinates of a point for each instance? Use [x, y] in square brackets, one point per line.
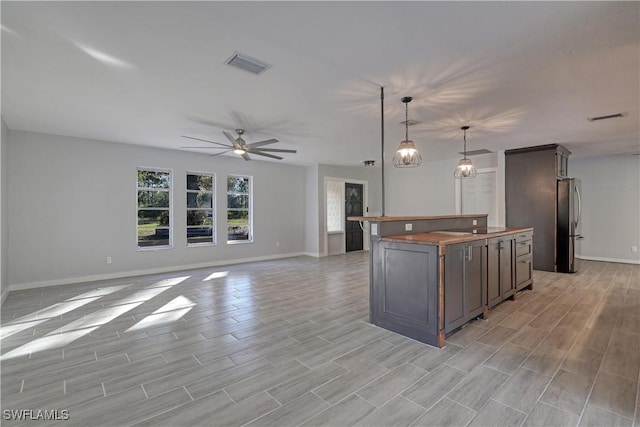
[197, 245]
[238, 242]
[335, 232]
[153, 248]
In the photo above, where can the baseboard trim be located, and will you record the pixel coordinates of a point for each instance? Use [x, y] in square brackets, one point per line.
[132, 273]
[313, 254]
[618, 260]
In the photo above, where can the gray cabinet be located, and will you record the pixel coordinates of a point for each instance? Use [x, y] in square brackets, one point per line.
[465, 292]
[405, 299]
[562, 162]
[531, 196]
[523, 260]
[500, 269]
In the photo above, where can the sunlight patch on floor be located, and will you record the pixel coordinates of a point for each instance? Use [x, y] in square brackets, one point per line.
[216, 275]
[79, 328]
[168, 313]
[55, 310]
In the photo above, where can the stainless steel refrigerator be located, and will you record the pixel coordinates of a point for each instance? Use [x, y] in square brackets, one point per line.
[569, 212]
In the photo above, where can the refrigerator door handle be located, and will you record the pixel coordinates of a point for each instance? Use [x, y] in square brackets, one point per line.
[579, 216]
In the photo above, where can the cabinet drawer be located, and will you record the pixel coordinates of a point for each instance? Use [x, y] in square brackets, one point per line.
[524, 248]
[524, 235]
[524, 271]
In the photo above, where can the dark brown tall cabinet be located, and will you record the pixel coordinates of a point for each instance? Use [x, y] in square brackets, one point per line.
[531, 176]
[500, 269]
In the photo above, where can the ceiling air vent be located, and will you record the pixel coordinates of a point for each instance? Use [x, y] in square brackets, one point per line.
[609, 116]
[410, 122]
[477, 152]
[247, 63]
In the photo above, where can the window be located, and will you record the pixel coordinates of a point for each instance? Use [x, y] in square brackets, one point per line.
[154, 208]
[200, 220]
[239, 209]
[335, 202]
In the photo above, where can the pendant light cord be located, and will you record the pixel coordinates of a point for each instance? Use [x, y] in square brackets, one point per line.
[406, 121]
[465, 143]
[382, 141]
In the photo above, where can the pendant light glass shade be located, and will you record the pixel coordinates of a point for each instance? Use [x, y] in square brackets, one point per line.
[407, 155]
[465, 168]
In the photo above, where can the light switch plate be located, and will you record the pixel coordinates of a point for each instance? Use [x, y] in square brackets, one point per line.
[374, 229]
[475, 222]
[408, 227]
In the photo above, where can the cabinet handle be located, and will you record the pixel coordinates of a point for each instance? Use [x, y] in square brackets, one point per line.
[469, 253]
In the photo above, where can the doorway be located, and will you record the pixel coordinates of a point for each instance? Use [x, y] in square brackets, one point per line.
[479, 195]
[353, 206]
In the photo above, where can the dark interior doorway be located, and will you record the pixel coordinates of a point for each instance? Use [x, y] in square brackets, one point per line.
[353, 206]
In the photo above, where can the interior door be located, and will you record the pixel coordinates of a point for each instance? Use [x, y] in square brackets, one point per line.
[479, 196]
[353, 206]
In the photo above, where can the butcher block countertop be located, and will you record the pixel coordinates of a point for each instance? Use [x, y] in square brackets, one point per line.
[443, 238]
[409, 218]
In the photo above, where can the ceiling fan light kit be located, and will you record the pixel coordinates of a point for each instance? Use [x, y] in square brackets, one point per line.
[465, 168]
[407, 155]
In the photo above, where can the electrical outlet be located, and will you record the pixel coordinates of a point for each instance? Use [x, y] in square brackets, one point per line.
[475, 222]
[634, 249]
[408, 227]
[109, 260]
[374, 229]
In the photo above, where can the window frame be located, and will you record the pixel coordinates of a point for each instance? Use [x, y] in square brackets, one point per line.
[328, 182]
[214, 233]
[171, 217]
[250, 209]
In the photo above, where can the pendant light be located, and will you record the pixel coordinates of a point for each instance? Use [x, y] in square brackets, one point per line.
[465, 168]
[407, 155]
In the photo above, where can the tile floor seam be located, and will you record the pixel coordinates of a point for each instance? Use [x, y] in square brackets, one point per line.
[144, 391]
[595, 379]
[507, 405]
[227, 394]
[636, 413]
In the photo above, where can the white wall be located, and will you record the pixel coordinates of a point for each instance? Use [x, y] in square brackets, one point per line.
[611, 206]
[72, 203]
[4, 228]
[428, 189]
[312, 225]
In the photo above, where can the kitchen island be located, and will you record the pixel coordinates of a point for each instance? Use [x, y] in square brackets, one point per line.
[431, 275]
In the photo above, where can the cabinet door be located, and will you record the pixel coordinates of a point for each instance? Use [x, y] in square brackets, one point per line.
[494, 287]
[406, 294]
[475, 279]
[507, 254]
[454, 286]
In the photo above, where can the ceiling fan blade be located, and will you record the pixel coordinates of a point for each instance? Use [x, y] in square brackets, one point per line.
[260, 143]
[229, 136]
[272, 150]
[210, 148]
[246, 157]
[222, 152]
[204, 140]
[266, 155]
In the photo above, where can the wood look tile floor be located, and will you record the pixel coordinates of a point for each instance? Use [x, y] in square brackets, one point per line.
[287, 343]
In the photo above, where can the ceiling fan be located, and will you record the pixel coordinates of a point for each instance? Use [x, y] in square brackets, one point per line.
[239, 146]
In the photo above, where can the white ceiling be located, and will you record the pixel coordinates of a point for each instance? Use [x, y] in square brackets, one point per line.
[518, 73]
